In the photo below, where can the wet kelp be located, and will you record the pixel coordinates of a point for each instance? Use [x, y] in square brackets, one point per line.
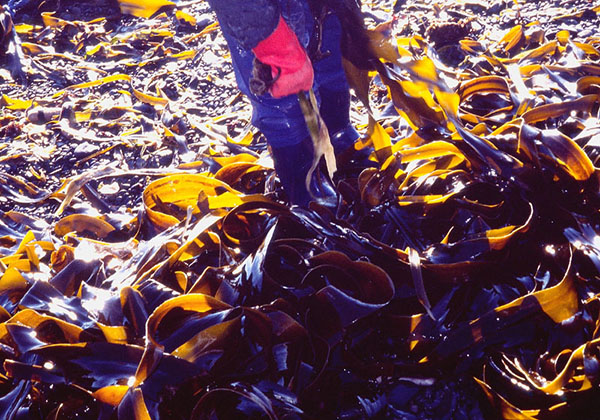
[469, 248]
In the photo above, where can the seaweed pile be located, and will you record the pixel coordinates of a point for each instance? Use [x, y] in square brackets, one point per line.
[470, 249]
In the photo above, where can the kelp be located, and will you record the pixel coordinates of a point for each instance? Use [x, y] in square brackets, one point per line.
[466, 246]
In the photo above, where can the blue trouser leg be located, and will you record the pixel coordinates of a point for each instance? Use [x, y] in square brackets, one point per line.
[331, 80]
[333, 88]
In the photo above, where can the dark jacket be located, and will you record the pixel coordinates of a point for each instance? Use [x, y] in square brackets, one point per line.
[247, 21]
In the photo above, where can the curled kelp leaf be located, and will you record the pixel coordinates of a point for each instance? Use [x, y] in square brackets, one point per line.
[83, 224]
[557, 303]
[237, 401]
[352, 290]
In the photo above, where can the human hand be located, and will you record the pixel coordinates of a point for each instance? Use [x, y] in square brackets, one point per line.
[291, 68]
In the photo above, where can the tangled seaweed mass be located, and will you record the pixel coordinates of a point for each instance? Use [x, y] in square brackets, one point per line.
[462, 267]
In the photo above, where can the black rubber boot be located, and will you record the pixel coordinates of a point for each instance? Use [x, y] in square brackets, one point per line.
[292, 164]
[335, 111]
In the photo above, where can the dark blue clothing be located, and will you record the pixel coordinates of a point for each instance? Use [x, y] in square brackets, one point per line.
[247, 21]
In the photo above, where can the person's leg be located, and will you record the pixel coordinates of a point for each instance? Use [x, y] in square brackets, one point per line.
[281, 120]
[282, 123]
[333, 88]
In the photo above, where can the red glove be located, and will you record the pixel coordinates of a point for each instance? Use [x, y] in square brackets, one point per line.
[283, 52]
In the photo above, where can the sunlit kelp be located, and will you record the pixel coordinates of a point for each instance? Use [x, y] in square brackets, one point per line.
[470, 249]
[523, 157]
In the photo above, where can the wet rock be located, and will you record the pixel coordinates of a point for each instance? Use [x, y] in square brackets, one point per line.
[84, 149]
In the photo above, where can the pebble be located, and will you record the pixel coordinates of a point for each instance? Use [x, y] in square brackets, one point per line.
[84, 149]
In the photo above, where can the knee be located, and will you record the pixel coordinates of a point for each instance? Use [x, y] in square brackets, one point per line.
[281, 121]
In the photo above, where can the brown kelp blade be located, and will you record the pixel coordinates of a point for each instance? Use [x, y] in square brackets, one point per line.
[319, 134]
